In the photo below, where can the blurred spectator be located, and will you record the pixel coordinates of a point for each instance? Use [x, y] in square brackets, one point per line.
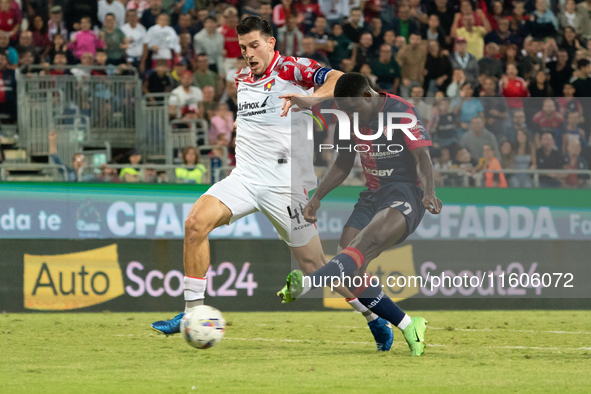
[444, 10]
[39, 36]
[474, 36]
[289, 38]
[424, 107]
[8, 90]
[438, 70]
[320, 34]
[574, 161]
[354, 26]
[185, 95]
[548, 158]
[465, 162]
[366, 71]
[465, 61]
[86, 60]
[386, 70]
[207, 105]
[108, 174]
[10, 53]
[570, 131]
[309, 12]
[442, 162]
[458, 80]
[85, 40]
[25, 42]
[570, 43]
[569, 16]
[434, 32]
[115, 43]
[467, 108]
[507, 157]
[310, 52]
[569, 103]
[185, 25]
[532, 57]
[490, 162]
[210, 42]
[443, 127]
[503, 35]
[114, 7]
[496, 15]
[377, 33]
[231, 46]
[132, 174]
[560, 71]
[363, 53]
[60, 59]
[149, 16]
[540, 86]
[59, 46]
[405, 25]
[135, 34]
[544, 22]
[495, 109]
[490, 64]
[222, 122]
[412, 60]
[513, 87]
[340, 48]
[475, 139]
[163, 41]
[203, 75]
[78, 161]
[158, 81]
[282, 12]
[9, 20]
[139, 6]
[582, 82]
[175, 76]
[524, 158]
[334, 11]
[56, 25]
[26, 59]
[547, 120]
[192, 171]
[75, 10]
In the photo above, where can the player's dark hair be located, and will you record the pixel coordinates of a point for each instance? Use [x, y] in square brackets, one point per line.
[351, 85]
[254, 23]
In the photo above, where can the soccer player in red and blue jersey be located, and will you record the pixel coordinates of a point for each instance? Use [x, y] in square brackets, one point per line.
[387, 212]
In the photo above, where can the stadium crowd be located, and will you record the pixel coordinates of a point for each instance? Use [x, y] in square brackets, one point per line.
[498, 84]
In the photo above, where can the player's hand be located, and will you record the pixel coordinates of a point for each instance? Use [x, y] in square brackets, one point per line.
[310, 210]
[52, 136]
[432, 203]
[289, 100]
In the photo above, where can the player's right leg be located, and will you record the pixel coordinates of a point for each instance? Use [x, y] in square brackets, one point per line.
[224, 203]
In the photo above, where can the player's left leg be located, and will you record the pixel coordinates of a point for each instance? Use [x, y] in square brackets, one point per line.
[282, 206]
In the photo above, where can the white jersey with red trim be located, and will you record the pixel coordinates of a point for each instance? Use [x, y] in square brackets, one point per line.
[266, 152]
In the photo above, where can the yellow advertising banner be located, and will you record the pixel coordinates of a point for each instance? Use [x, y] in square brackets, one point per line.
[390, 264]
[73, 280]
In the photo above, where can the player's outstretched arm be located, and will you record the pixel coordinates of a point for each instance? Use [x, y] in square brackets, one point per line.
[423, 160]
[327, 88]
[336, 174]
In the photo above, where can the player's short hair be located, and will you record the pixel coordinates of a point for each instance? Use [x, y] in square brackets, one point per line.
[351, 85]
[254, 23]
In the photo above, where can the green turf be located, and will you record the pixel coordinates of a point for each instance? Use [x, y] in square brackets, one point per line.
[470, 352]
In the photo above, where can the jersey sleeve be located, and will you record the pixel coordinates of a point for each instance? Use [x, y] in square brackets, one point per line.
[303, 72]
[418, 131]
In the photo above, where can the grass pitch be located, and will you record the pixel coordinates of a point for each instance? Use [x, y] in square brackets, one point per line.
[469, 352]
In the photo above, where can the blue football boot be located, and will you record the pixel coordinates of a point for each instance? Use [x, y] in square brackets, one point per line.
[382, 333]
[173, 326]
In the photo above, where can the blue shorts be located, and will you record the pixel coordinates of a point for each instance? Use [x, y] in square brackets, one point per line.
[406, 197]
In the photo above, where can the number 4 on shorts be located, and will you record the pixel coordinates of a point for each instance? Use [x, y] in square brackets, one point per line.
[406, 204]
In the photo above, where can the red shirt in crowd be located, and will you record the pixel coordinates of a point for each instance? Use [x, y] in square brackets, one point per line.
[8, 20]
[515, 89]
[280, 15]
[230, 42]
[548, 123]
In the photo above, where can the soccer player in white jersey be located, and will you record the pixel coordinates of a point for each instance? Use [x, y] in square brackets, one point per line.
[262, 180]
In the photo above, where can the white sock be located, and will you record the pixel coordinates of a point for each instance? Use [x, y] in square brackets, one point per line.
[194, 291]
[359, 307]
[405, 322]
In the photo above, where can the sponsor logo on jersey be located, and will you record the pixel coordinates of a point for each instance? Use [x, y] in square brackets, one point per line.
[246, 109]
[269, 85]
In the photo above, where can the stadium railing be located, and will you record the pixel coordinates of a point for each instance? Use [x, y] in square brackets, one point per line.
[108, 102]
[32, 172]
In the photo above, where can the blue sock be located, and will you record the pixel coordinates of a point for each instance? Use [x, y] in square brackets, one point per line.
[342, 265]
[379, 303]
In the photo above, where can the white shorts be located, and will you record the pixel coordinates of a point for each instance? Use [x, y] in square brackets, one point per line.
[282, 205]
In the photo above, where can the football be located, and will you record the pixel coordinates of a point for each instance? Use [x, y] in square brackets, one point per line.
[203, 327]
